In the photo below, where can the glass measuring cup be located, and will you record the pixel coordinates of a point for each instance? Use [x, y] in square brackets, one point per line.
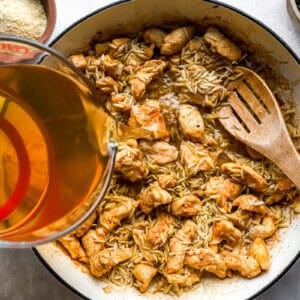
[56, 146]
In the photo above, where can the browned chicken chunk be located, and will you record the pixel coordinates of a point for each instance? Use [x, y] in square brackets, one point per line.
[103, 262]
[206, 259]
[144, 76]
[189, 205]
[221, 190]
[153, 196]
[246, 265]
[83, 228]
[284, 184]
[138, 57]
[166, 181]
[130, 162]
[224, 230]
[245, 175]
[79, 61]
[185, 278]
[178, 246]
[221, 44]
[258, 249]
[93, 241]
[195, 158]
[155, 36]
[148, 116]
[144, 246]
[240, 218]
[112, 67]
[107, 85]
[176, 40]
[251, 203]
[119, 208]
[122, 102]
[254, 154]
[264, 230]
[191, 123]
[144, 274]
[74, 248]
[159, 152]
[159, 233]
[101, 48]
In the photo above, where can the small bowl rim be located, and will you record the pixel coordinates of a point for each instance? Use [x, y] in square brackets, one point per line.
[51, 20]
[294, 12]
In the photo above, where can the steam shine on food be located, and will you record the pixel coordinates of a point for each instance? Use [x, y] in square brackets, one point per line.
[190, 198]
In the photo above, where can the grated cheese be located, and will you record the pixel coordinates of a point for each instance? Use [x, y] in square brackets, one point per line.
[24, 18]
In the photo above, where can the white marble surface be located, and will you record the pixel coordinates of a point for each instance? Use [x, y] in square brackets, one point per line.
[22, 277]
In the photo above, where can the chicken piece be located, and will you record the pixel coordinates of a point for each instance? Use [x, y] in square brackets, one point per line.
[221, 44]
[83, 228]
[75, 250]
[93, 241]
[198, 98]
[251, 203]
[120, 207]
[224, 230]
[119, 42]
[143, 244]
[258, 250]
[187, 206]
[144, 274]
[144, 75]
[178, 246]
[79, 61]
[107, 85]
[112, 67]
[206, 259]
[254, 154]
[155, 36]
[101, 48]
[166, 181]
[118, 45]
[264, 230]
[159, 152]
[93, 61]
[191, 123]
[186, 278]
[130, 162]
[176, 40]
[153, 196]
[196, 44]
[122, 102]
[149, 117]
[138, 57]
[159, 233]
[275, 197]
[195, 158]
[106, 259]
[245, 175]
[222, 190]
[240, 218]
[246, 265]
[284, 184]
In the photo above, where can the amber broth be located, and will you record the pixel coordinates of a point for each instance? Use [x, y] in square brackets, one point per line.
[46, 109]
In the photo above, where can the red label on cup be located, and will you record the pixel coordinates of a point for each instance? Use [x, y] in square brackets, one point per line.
[11, 52]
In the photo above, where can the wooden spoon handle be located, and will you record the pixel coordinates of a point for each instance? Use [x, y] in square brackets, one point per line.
[286, 157]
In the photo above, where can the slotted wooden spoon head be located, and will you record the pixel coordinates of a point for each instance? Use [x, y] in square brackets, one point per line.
[254, 117]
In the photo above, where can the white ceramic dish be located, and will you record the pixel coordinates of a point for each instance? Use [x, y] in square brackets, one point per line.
[132, 16]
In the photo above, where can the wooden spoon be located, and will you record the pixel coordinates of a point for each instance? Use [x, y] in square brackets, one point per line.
[254, 117]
